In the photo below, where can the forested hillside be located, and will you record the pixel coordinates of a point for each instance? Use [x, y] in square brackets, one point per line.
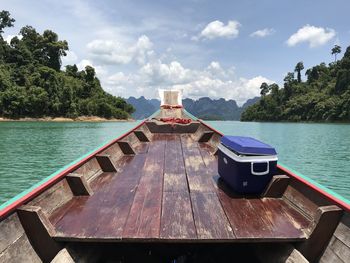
[203, 108]
[323, 96]
[32, 83]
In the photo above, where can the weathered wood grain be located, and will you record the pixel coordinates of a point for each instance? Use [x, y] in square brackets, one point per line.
[10, 229]
[54, 197]
[210, 219]
[277, 186]
[144, 217]
[78, 184]
[177, 219]
[174, 182]
[321, 231]
[40, 231]
[63, 257]
[89, 169]
[342, 232]
[174, 162]
[20, 251]
[103, 214]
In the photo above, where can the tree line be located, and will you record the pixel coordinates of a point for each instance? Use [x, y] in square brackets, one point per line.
[32, 83]
[323, 96]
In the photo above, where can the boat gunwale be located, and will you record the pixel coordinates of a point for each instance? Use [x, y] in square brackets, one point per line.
[12, 204]
[18, 200]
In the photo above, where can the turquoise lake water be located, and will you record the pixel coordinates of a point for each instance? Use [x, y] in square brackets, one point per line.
[30, 151]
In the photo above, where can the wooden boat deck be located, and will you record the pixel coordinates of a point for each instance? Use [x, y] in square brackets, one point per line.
[170, 192]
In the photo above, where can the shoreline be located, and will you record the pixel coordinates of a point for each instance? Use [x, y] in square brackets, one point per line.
[64, 119]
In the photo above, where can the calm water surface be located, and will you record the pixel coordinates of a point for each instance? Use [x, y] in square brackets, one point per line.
[30, 151]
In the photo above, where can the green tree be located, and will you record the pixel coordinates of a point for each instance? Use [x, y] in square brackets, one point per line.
[298, 68]
[53, 49]
[5, 21]
[33, 85]
[264, 89]
[336, 50]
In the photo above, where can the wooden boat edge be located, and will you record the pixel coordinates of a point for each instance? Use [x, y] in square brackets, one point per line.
[25, 196]
[18, 200]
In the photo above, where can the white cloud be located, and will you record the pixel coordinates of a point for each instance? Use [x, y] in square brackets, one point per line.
[315, 36]
[218, 29]
[115, 52]
[100, 70]
[70, 58]
[263, 32]
[213, 81]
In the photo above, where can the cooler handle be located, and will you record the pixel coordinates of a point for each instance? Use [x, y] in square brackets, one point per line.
[260, 173]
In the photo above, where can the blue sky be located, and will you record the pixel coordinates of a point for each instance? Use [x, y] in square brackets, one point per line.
[207, 48]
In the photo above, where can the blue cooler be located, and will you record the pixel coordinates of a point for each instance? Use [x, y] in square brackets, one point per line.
[246, 164]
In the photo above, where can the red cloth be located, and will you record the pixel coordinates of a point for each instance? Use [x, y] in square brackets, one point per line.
[175, 120]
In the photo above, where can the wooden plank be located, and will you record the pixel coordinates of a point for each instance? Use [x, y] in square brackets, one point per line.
[329, 256]
[78, 184]
[103, 214]
[20, 251]
[200, 178]
[210, 160]
[210, 219]
[63, 257]
[89, 168]
[40, 231]
[174, 162]
[340, 249]
[321, 229]
[54, 197]
[144, 217]
[177, 220]
[141, 148]
[192, 157]
[287, 223]
[266, 219]
[10, 229]
[243, 218]
[343, 230]
[298, 220]
[277, 186]
[175, 182]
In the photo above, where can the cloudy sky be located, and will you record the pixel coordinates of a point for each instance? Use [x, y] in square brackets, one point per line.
[207, 48]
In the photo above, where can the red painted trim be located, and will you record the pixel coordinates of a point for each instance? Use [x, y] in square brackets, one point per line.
[11, 207]
[330, 197]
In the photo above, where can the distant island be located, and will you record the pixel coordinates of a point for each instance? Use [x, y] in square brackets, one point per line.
[33, 85]
[204, 108]
[324, 96]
